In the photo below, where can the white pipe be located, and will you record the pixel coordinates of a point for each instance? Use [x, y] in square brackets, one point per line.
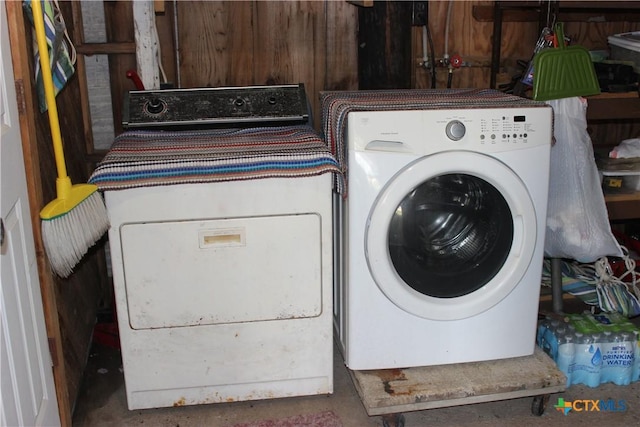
[425, 56]
[146, 44]
[158, 51]
[446, 30]
[177, 42]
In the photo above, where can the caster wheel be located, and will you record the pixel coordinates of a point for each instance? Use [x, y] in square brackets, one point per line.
[393, 420]
[539, 404]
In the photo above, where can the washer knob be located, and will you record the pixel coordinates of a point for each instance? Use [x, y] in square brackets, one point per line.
[455, 130]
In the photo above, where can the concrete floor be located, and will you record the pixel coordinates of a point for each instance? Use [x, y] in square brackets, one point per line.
[102, 402]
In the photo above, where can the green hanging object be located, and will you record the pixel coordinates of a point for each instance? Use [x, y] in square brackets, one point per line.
[563, 72]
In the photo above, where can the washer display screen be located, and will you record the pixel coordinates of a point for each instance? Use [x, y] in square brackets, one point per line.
[450, 235]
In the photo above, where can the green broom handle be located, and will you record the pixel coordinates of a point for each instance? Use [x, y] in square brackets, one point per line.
[559, 33]
[45, 68]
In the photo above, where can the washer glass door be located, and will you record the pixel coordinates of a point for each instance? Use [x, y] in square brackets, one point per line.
[451, 235]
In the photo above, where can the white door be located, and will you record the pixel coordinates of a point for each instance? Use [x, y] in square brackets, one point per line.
[28, 392]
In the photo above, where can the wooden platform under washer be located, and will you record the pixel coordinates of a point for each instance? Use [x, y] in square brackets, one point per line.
[392, 391]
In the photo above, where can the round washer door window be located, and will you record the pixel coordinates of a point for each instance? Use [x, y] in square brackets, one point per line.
[451, 235]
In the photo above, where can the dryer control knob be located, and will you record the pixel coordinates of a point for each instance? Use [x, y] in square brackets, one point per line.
[455, 130]
[155, 106]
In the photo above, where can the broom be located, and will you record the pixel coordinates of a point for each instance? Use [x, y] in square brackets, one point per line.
[77, 218]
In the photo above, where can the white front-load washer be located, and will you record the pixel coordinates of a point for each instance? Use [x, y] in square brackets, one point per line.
[439, 243]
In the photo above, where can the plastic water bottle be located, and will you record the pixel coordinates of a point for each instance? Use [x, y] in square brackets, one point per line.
[549, 341]
[555, 336]
[617, 357]
[543, 325]
[626, 354]
[588, 360]
[609, 366]
[593, 378]
[635, 375]
[566, 356]
[578, 376]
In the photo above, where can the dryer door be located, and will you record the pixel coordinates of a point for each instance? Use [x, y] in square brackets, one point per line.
[451, 235]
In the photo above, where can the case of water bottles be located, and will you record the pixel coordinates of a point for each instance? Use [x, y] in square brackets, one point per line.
[592, 349]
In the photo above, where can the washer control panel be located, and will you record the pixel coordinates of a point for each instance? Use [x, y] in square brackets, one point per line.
[508, 126]
[433, 130]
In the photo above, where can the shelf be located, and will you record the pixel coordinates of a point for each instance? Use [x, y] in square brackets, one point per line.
[565, 11]
[614, 106]
[528, 11]
[617, 106]
[623, 206]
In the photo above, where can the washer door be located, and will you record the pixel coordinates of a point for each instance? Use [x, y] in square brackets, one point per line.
[451, 235]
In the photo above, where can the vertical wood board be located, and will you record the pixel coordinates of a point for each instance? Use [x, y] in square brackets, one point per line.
[290, 45]
[341, 61]
[215, 42]
[119, 22]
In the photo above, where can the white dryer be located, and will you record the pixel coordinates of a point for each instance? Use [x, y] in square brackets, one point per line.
[439, 243]
[221, 252]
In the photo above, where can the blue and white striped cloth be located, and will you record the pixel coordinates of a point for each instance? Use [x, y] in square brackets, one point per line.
[61, 50]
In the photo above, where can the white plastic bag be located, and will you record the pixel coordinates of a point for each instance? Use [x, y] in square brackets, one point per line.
[629, 148]
[577, 221]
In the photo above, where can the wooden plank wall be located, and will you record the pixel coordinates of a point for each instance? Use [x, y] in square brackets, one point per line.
[228, 43]
[121, 12]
